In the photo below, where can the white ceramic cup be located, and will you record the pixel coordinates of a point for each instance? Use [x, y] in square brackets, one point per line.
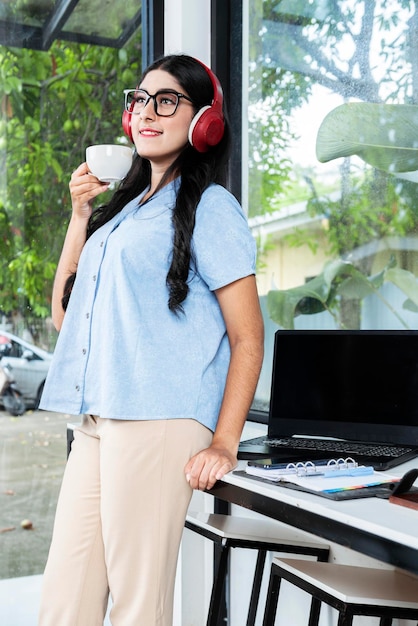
[109, 162]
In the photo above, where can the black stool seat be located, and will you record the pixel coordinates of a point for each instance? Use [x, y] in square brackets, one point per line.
[351, 590]
[263, 535]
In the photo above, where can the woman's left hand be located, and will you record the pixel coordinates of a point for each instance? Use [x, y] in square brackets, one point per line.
[208, 466]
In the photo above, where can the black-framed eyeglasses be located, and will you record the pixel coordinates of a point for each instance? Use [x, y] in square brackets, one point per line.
[166, 101]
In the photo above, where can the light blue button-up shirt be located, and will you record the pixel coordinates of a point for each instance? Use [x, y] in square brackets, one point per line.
[121, 353]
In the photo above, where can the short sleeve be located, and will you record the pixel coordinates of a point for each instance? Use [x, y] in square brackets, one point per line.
[223, 246]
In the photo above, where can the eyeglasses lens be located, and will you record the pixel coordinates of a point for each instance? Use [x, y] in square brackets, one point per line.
[165, 102]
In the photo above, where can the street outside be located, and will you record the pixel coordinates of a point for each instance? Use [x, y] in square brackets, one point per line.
[33, 451]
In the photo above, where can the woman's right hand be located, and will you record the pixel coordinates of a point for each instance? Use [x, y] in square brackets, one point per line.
[84, 187]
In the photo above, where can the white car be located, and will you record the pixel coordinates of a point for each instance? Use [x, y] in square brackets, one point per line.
[29, 366]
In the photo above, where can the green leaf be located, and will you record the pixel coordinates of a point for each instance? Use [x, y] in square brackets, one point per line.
[338, 278]
[356, 287]
[408, 305]
[11, 84]
[406, 281]
[383, 135]
[312, 297]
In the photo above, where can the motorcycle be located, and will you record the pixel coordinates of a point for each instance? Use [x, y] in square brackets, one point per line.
[10, 395]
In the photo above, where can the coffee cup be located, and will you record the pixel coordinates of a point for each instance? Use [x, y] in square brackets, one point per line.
[109, 162]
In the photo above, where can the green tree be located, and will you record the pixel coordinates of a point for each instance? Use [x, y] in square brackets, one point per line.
[274, 89]
[53, 105]
[331, 43]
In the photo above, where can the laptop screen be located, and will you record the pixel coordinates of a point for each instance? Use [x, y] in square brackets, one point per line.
[356, 385]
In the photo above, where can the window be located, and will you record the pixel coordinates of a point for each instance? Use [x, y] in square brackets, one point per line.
[331, 103]
[63, 72]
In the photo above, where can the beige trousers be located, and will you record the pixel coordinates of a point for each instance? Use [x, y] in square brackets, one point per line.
[119, 523]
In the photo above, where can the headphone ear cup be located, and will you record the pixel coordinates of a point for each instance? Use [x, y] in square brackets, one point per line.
[126, 124]
[206, 128]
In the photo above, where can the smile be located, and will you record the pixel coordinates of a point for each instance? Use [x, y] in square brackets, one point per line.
[149, 132]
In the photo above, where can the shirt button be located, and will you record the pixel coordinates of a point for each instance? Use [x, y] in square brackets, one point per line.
[77, 387]
[94, 278]
[84, 351]
[101, 244]
[87, 315]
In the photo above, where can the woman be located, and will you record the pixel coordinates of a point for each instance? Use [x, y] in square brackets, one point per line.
[160, 350]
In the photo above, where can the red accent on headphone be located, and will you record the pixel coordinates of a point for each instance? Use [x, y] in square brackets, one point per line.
[206, 128]
[126, 122]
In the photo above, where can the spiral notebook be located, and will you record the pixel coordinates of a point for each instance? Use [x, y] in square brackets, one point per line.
[337, 479]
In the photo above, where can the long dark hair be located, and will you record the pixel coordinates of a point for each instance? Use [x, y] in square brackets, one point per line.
[197, 170]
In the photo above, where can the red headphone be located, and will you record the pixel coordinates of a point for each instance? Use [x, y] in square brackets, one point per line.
[206, 128]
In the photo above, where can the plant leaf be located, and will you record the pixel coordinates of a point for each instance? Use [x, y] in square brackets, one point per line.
[312, 297]
[406, 281]
[383, 135]
[337, 278]
[355, 288]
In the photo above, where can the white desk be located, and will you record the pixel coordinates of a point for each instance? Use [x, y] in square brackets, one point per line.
[371, 526]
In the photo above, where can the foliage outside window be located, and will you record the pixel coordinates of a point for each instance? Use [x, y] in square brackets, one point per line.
[53, 105]
[338, 245]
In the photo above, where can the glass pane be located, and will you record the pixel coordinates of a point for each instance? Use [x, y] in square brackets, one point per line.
[36, 24]
[89, 18]
[23, 12]
[52, 106]
[332, 160]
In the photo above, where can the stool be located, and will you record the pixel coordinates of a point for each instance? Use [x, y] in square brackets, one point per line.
[349, 589]
[228, 532]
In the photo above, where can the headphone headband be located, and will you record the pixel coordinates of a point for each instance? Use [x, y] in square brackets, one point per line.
[218, 97]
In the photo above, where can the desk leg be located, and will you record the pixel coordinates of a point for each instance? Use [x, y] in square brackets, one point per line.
[255, 593]
[223, 508]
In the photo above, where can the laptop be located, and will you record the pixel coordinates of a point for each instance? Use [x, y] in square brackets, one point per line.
[339, 394]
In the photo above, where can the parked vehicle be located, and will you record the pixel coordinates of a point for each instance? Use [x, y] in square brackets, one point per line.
[10, 395]
[29, 366]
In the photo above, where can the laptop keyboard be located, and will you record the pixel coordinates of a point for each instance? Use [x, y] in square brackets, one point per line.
[345, 447]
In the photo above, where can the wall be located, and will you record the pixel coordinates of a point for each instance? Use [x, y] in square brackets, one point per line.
[187, 28]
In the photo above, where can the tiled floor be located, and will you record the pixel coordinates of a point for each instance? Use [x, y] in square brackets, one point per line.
[19, 601]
